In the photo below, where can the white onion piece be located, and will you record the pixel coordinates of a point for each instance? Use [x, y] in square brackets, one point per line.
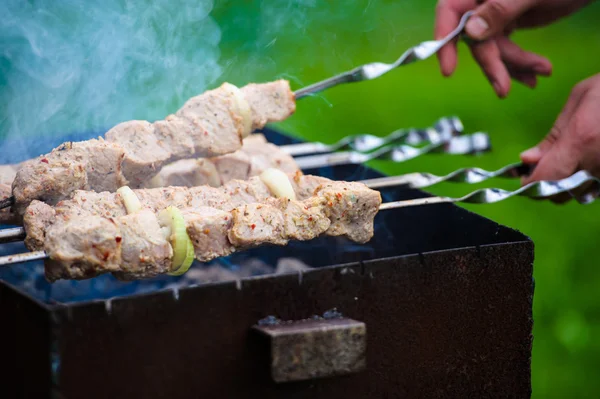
[243, 108]
[278, 183]
[131, 201]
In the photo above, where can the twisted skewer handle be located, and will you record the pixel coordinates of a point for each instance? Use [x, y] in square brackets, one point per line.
[541, 190]
[444, 129]
[464, 175]
[461, 145]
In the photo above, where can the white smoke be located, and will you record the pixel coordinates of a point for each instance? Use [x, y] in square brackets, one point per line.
[86, 65]
[77, 66]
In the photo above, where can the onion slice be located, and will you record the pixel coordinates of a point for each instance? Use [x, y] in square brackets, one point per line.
[174, 227]
[187, 262]
[131, 201]
[242, 107]
[278, 183]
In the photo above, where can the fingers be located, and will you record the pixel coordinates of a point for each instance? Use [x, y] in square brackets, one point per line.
[447, 17]
[527, 78]
[521, 60]
[574, 142]
[493, 16]
[559, 162]
[561, 125]
[487, 54]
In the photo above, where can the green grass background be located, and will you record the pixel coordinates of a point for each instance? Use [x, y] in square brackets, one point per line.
[341, 35]
[308, 40]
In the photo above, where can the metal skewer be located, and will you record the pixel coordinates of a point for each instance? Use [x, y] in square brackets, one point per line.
[376, 69]
[542, 190]
[461, 145]
[444, 129]
[464, 175]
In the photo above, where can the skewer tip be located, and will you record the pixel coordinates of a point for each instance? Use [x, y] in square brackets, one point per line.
[7, 202]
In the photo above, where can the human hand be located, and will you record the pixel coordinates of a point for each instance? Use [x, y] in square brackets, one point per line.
[574, 141]
[490, 26]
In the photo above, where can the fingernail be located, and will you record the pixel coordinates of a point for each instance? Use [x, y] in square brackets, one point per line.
[476, 27]
[541, 70]
[532, 153]
[498, 88]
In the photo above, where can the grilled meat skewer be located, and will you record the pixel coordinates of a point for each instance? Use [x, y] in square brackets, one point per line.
[39, 216]
[82, 243]
[255, 156]
[211, 124]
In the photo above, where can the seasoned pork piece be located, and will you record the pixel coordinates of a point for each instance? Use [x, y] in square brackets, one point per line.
[213, 197]
[276, 222]
[255, 156]
[7, 175]
[209, 125]
[246, 191]
[131, 247]
[38, 218]
[305, 185]
[145, 252]
[207, 228]
[144, 153]
[233, 166]
[187, 173]
[89, 165]
[219, 125]
[269, 102]
[351, 207]
[82, 248]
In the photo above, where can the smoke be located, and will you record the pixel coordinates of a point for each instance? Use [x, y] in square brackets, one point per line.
[79, 66]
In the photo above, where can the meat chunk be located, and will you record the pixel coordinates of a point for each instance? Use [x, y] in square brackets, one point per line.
[246, 191]
[145, 252]
[187, 173]
[276, 222]
[207, 228]
[255, 156]
[144, 153]
[7, 175]
[351, 207]
[82, 248]
[234, 166]
[270, 102]
[90, 165]
[305, 185]
[37, 219]
[130, 247]
[218, 126]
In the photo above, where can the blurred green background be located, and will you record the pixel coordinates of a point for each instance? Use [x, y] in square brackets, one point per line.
[87, 65]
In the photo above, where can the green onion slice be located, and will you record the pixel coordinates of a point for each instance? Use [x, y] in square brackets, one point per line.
[174, 229]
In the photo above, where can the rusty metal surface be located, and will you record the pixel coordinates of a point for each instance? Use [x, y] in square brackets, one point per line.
[314, 348]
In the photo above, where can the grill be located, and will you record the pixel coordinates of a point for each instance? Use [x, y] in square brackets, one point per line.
[437, 304]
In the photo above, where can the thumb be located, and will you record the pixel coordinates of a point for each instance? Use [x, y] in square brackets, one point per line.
[493, 16]
[558, 163]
